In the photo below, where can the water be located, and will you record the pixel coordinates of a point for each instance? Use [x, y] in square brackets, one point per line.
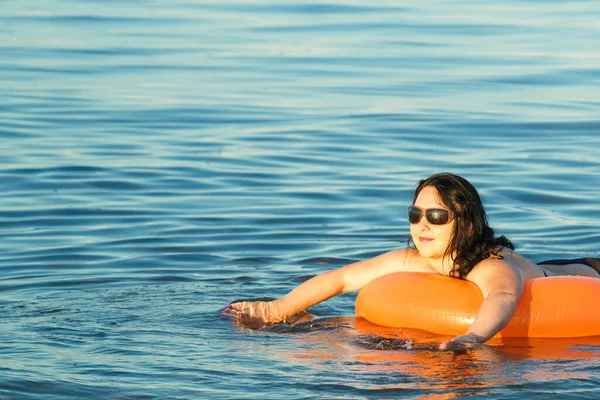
[161, 159]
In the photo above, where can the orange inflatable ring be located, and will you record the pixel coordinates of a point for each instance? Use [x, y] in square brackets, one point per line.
[562, 306]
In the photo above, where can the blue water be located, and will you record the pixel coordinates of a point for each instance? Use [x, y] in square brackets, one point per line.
[161, 159]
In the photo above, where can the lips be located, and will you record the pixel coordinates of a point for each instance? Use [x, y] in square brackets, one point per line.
[425, 239]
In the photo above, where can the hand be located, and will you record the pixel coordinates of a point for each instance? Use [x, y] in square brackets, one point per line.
[254, 314]
[460, 342]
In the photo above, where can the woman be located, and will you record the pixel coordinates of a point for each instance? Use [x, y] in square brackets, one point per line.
[450, 235]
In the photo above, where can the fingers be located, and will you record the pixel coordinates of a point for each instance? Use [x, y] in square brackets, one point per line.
[450, 345]
[453, 346]
[227, 310]
[239, 306]
[245, 313]
[250, 321]
[232, 309]
[459, 343]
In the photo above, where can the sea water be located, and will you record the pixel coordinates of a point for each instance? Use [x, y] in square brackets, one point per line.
[159, 160]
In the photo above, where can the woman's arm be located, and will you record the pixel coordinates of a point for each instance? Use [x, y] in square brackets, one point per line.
[502, 286]
[317, 289]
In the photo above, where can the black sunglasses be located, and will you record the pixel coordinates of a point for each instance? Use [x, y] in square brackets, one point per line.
[435, 216]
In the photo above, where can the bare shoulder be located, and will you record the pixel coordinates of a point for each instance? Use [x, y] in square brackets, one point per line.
[410, 260]
[398, 260]
[528, 268]
[513, 257]
[492, 266]
[506, 260]
[395, 259]
[496, 274]
[358, 274]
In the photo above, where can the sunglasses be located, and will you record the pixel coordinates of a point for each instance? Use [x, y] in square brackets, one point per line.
[435, 216]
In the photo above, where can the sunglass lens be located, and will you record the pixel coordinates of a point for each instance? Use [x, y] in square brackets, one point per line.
[414, 215]
[437, 217]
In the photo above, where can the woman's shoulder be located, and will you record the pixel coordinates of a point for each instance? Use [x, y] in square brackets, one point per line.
[401, 252]
[409, 259]
[403, 259]
[513, 257]
[507, 258]
[395, 256]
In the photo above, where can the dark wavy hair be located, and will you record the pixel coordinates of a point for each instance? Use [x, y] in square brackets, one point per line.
[472, 238]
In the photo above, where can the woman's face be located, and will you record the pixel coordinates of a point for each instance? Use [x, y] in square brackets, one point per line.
[431, 240]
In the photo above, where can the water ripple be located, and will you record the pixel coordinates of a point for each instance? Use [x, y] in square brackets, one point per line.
[158, 162]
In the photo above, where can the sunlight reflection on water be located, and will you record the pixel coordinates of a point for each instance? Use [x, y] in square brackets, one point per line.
[159, 162]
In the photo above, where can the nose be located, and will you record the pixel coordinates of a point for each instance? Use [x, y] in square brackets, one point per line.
[423, 222]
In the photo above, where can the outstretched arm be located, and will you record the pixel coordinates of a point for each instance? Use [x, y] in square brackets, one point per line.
[502, 286]
[254, 314]
[317, 289]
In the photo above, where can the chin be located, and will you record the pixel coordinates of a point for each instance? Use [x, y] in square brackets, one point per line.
[429, 253]
[424, 252]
